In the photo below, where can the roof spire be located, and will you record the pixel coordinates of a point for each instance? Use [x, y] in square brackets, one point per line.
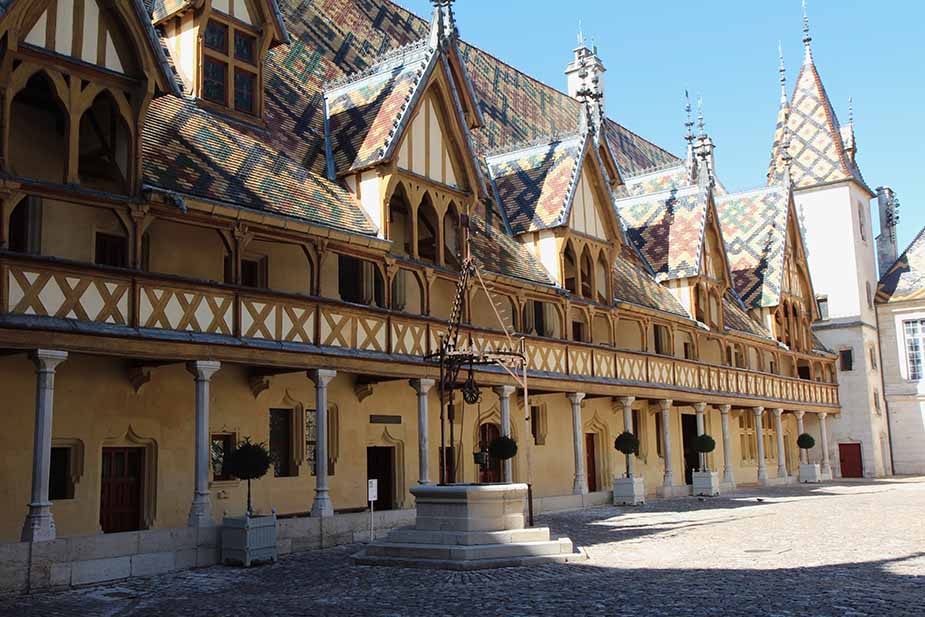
[689, 123]
[807, 39]
[851, 110]
[443, 22]
[701, 126]
[783, 74]
[581, 35]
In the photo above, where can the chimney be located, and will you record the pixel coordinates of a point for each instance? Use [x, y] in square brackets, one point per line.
[888, 206]
[586, 71]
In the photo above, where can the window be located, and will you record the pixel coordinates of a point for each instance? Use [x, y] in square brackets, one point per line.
[662, 340]
[538, 424]
[877, 402]
[359, 281]
[230, 74]
[861, 222]
[281, 442]
[688, 351]
[915, 333]
[846, 360]
[872, 351]
[60, 482]
[659, 437]
[311, 439]
[222, 445]
[748, 448]
[254, 272]
[870, 296]
[26, 226]
[637, 431]
[823, 304]
[578, 331]
[111, 250]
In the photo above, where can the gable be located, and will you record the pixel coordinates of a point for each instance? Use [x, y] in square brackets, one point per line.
[795, 280]
[587, 215]
[426, 149]
[713, 263]
[238, 9]
[91, 35]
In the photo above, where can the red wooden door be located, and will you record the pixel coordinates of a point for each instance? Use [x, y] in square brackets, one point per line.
[590, 462]
[849, 455]
[120, 493]
[492, 473]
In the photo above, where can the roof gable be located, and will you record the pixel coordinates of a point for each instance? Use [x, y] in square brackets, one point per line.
[905, 280]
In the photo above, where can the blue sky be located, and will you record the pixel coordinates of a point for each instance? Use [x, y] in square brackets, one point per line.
[726, 51]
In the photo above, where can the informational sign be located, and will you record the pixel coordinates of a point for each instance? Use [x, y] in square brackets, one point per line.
[373, 490]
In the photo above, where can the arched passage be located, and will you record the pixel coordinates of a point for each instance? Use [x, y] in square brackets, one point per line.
[38, 132]
[428, 230]
[105, 147]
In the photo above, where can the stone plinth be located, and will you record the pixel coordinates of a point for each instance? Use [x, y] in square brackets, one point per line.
[705, 483]
[468, 527]
[629, 491]
[810, 473]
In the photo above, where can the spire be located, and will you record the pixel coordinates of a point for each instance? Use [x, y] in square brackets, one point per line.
[700, 124]
[782, 71]
[850, 111]
[705, 164]
[847, 133]
[690, 162]
[807, 39]
[785, 156]
[581, 35]
[443, 23]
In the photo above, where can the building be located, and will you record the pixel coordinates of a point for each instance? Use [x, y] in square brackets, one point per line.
[246, 219]
[901, 317]
[833, 202]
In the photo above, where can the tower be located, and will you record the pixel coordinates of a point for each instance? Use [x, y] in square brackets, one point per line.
[833, 202]
[586, 71]
[888, 206]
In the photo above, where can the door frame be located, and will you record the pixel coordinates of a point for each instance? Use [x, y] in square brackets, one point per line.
[860, 449]
[131, 439]
[386, 439]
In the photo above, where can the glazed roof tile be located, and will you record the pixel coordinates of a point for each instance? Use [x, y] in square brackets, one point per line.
[737, 319]
[633, 283]
[905, 280]
[497, 252]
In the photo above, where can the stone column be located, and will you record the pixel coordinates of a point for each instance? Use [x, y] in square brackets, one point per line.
[728, 474]
[322, 505]
[580, 485]
[39, 525]
[200, 512]
[665, 405]
[422, 387]
[627, 402]
[699, 408]
[504, 396]
[826, 465]
[799, 414]
[759, 435]
[781, 459]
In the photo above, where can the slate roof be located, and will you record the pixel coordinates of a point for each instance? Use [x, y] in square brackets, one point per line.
[905, 280]
[499, 253]
[668, 229]
[633, 283]
[535, 184]
[754, 227]
[816, 145]
[674, 176]
[737, 319]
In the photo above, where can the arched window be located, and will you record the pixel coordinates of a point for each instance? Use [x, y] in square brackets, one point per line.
[452, 238]
[569, 264]
[105, 146]
[38, 132]
[587, 274]
[400, 223]
[601, 278]
[700, 304]
[428, 231]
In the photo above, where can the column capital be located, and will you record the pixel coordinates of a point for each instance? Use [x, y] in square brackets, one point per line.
[757, 411]
[724, 409]
[322, 376]
[700, 407]
[823, 415]
[504, 391]
[626, 401]
[421, 386]
[777, 411]
[799, 414]
[203, 369]
[47, 359]
[575, 397]
[665, 404]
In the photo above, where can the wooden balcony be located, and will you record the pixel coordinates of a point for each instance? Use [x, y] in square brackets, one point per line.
[142, 304]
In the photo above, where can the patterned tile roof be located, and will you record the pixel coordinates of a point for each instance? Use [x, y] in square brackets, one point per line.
[499, 253]
[161, 9]
[633, 283]
[534, 184]
[816, 144]
[668, 229]
[754, 226]
[633, 153]
[905, 280]
[737, 319]
[674, 176]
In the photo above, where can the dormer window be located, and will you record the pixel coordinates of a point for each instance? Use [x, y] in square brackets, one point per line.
[230, 76]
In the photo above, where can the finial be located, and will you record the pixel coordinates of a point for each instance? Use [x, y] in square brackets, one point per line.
[581, 35]
[700, 124]
[850, 110]
[689, 124]
[783, 73]
[806, 37]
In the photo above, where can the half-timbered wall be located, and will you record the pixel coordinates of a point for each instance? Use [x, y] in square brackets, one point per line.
[424, 150]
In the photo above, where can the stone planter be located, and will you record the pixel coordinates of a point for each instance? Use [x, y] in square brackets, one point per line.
[248, 539]
[629, 491]
[810, 473]
[705, 483]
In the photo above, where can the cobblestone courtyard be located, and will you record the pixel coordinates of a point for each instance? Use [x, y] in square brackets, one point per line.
[845, 549]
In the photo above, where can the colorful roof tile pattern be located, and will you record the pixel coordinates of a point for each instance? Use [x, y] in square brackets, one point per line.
[736, 318]
[633, 153]
[668, 229]
[534, 184]
[499, 253]
[674, 176]
[905, 280]
[816, 145]
[633, 283]
[754, 226]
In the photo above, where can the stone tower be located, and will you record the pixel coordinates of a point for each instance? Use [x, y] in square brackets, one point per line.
[888, 205]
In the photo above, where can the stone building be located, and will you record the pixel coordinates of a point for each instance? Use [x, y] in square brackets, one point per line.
[245, 218]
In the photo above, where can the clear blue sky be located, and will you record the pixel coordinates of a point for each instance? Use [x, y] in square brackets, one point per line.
[726, 51]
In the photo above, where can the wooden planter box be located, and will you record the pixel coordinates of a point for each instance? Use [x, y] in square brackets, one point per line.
[247, 540]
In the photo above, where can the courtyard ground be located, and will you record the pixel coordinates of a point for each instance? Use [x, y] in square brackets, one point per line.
[845, 549]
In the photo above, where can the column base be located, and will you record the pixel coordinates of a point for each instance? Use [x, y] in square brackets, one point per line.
[39, 525]
[200, 513]
[579, 488]
[322, 505]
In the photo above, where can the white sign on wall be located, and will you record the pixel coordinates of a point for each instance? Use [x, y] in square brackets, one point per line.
[373, 490]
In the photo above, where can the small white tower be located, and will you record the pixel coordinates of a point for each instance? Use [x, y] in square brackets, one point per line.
[888, 205]
[586, 61]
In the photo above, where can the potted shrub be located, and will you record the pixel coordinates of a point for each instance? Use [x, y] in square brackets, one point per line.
[250, 538]
[501, 449]
[809, 472]
[705, 482]
[629, 490]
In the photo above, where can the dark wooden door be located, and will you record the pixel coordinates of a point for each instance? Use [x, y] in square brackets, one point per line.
[849, 455]
[120, 492]
[590, 462]
[691, 456]
[492, 473]
[380, 465]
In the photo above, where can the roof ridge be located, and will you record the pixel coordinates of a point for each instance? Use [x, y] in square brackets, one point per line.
[651, 143]
[542, 140]
[391, 56]
[656, 169]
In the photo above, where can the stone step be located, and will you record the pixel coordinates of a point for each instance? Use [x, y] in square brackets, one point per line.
[410, 535]
[365, 559]
[469, 553]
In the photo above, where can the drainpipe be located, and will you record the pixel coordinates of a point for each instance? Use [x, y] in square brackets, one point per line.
[886, 404]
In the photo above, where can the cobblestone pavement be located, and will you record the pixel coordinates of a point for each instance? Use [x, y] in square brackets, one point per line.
[846, 549]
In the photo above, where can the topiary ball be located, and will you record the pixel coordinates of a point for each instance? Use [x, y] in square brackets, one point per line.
[626, 443]
[502, 448]
[805, 441]
[248, 461]
[704, 444]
